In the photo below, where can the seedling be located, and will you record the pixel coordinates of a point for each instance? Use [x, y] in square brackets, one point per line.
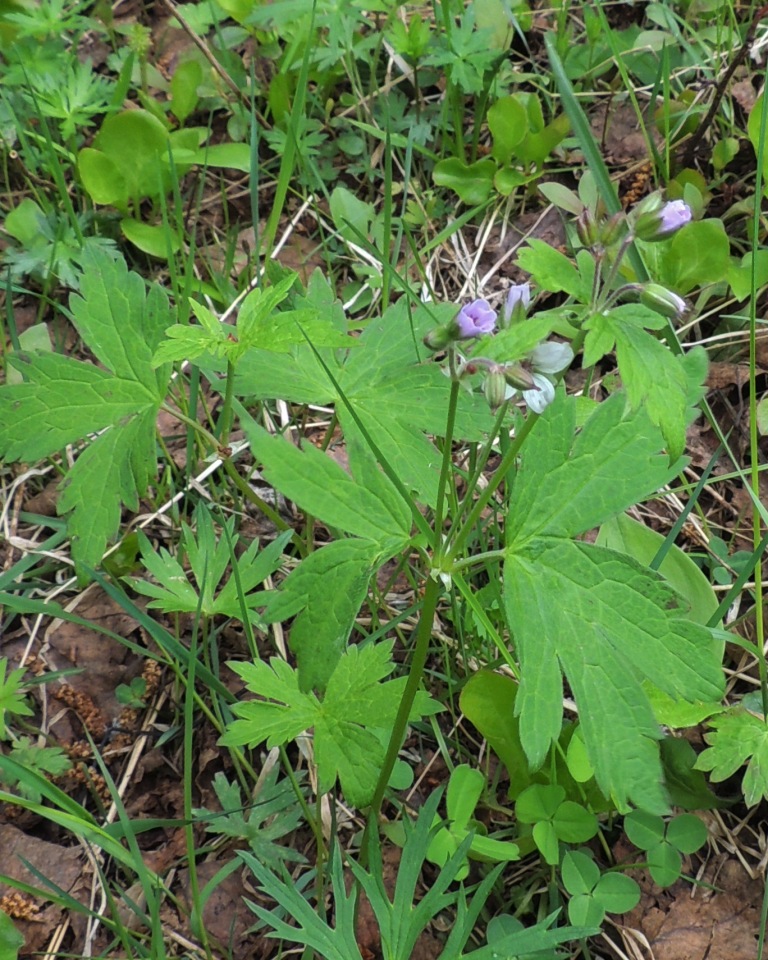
[465, 788]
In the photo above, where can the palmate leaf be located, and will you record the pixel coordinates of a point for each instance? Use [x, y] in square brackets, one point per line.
[594, 615]
[359, 705]
[738, 737]
[63, 400]
[398, 395]
[328, 587]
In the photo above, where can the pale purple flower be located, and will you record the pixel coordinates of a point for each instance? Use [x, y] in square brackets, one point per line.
[475, 319]
[673, 215]
[657, 220]
[516, 305]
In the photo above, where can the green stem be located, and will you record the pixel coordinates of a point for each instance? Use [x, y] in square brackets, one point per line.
[227, 415]
[445, 467]
[495, 482]
[423, 636]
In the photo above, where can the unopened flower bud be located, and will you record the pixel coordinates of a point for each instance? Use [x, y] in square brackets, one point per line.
[516, 305]
[495, 389]
[518, 377]
[586, 228]
[663, 301]
[439, 338]
[658, 224]
[611, 230]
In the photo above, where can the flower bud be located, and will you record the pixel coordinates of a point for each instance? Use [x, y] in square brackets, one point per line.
[439, 338]
[495, 389]
[516, 305]
[658, 224]
[518, 377]
[610, 230]
[663, 301]
[586, 228]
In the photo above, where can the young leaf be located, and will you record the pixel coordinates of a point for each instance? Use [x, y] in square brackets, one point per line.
[209, 559]
[63, 400]
[11, 697]
[738, 737]
[272, 815]
[358, 706]
[597, 616]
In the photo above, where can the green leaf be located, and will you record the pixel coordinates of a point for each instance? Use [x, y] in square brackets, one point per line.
[629, 536]
[617, 893]
[64, 400]
[389, 382]
[324, 594]
[209, 558]
[11, 696]
[697, 255]
[358, 704]
[11, 941]
[657, 380]
[322, 488]
[508, 123]
[686, 833]
[738, 737]
[473, 183]
[186, 78]
[597, 616]
[552, 270]
[156, 240]
[665, 864]
[644, 829]
[487, 701]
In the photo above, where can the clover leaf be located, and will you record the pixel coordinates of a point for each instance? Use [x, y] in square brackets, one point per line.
[554, 819]
[665, 841]
[592, 894]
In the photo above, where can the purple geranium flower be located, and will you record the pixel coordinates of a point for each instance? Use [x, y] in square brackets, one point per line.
[475, 319]
[657, 220]
[673, 215]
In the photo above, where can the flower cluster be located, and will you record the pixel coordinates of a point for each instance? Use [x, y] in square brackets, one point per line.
[532, 376]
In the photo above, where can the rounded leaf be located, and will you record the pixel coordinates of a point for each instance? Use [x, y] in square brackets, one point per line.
[617, 893]
[545, 838]
[539, 802]
[645, 830]
[585, 911]
[579, 872]
[156, 241]
[686, 833]
[103, 182]
[508, 123]
[574, 823]
[473, 183]
[577, 759]
[464, 790]
[665, 864]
